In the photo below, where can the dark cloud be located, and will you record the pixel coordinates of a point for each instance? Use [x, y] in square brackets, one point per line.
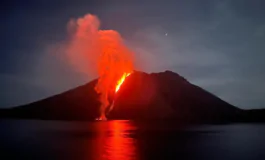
[218, 45]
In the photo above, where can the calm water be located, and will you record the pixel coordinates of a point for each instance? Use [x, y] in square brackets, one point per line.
[126, 140]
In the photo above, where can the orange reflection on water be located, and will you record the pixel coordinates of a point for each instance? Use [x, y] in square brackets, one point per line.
[114, 141]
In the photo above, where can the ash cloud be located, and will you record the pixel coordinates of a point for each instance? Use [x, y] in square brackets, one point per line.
[91, 50]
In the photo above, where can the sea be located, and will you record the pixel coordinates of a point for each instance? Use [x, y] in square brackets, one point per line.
[129, 140]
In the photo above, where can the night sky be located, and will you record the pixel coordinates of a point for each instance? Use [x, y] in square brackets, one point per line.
[216, 44]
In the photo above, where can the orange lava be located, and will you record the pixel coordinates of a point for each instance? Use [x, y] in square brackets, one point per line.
[120, 82]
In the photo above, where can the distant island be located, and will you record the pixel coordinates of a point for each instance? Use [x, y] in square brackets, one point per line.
[156, 96]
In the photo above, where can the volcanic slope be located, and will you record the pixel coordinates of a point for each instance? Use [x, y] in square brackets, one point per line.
[164, 95]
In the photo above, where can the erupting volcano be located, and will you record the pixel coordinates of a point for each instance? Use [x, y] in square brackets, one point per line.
[114, 64]
[102, 51]
[103, 55]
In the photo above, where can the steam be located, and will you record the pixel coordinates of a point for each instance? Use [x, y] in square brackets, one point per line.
[103, 52]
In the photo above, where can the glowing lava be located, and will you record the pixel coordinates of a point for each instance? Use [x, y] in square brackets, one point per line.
[120, 82]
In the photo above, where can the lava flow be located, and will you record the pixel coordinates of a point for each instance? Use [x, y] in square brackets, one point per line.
[117, 88]
[120, 82]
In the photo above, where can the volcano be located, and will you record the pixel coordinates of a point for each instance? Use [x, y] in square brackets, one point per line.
[156, 96]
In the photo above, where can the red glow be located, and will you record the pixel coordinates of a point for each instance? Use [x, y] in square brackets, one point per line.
[93, 49]
[120, 145]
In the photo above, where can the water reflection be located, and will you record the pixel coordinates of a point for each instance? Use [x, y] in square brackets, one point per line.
[114, 141]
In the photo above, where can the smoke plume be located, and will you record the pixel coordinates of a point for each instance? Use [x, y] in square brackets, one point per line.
[91, 50]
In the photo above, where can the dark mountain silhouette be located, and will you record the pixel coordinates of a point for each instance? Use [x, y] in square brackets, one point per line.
[164, 95]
